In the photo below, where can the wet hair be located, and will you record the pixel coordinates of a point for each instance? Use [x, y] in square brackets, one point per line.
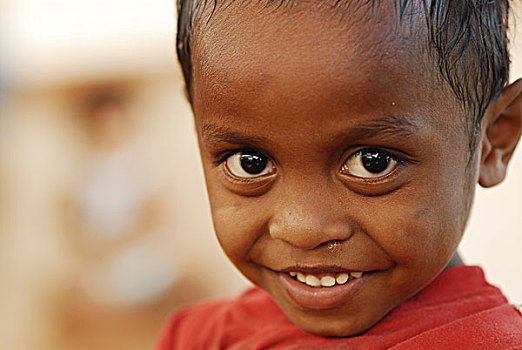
[466, 38]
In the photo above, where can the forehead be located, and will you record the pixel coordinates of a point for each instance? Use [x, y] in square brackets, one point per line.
[303, 28]
[236, 34]
[251, 53]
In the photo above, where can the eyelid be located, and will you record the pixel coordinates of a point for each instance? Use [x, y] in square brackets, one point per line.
[401, 156]
[354, 165]
[222, 156]
[222, 163]
[234, 166]
[400, 164]
[246, 186]
[381, 185]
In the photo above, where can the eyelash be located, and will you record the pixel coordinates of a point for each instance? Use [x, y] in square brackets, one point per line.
[223, 156]
[363, 150]
[243, 181]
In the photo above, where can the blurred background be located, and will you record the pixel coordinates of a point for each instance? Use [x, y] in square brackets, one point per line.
[104, 220]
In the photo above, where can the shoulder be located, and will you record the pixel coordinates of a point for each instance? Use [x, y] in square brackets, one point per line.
[496, 328]
[187, 324]
[464, 311]
[203, 325]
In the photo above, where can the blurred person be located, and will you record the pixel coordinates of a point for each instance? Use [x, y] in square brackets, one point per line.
[118, 232]
[114, 189]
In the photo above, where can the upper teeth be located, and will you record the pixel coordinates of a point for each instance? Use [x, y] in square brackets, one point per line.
[325, 280]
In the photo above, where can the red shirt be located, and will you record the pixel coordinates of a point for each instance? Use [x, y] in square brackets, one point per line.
[458, 310]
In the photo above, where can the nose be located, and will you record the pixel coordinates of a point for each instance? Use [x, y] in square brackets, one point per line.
[310, 218]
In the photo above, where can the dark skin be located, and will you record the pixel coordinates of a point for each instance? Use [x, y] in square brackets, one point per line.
[357, 157]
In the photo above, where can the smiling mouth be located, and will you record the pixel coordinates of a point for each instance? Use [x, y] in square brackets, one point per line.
[321, 290]
[325, 280]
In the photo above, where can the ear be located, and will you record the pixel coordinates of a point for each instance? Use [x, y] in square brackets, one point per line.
[501, 130]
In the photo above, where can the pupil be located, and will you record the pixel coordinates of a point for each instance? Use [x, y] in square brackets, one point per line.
[253, 162]
[375, 161]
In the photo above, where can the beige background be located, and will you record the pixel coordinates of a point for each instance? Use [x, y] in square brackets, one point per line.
[58, 289]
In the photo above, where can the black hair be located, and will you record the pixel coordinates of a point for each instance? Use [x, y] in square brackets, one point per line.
[466, 38]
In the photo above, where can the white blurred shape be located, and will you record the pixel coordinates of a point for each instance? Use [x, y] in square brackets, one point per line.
[115, 192]
[45, 42]
[135, 275]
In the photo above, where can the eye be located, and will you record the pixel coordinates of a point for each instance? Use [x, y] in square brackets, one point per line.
[249, 164]
[370, 163]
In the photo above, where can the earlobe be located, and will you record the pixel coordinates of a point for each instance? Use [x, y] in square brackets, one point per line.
[501, 130]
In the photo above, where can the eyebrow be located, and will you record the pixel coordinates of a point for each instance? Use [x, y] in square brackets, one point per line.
[388, 126]
[217, 135]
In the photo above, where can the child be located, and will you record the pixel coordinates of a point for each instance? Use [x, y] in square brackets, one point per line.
[341, 143]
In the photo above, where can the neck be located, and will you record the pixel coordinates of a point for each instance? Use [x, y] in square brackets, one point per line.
[455, 261]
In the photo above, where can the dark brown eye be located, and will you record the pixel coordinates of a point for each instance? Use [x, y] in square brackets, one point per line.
[249, 164]
[370, 163]
[375, 161]
[253, 162]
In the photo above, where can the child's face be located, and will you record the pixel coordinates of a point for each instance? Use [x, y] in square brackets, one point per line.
[329, 149]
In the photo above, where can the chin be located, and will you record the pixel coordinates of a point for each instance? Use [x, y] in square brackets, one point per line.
[336, 327]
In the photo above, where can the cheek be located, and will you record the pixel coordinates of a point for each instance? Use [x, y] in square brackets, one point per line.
[429, 216]
[238, 223]
[423, 229]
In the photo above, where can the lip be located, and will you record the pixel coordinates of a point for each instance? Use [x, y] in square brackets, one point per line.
[321, 298]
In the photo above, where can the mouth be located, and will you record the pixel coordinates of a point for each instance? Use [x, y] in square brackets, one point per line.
[324, 290]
